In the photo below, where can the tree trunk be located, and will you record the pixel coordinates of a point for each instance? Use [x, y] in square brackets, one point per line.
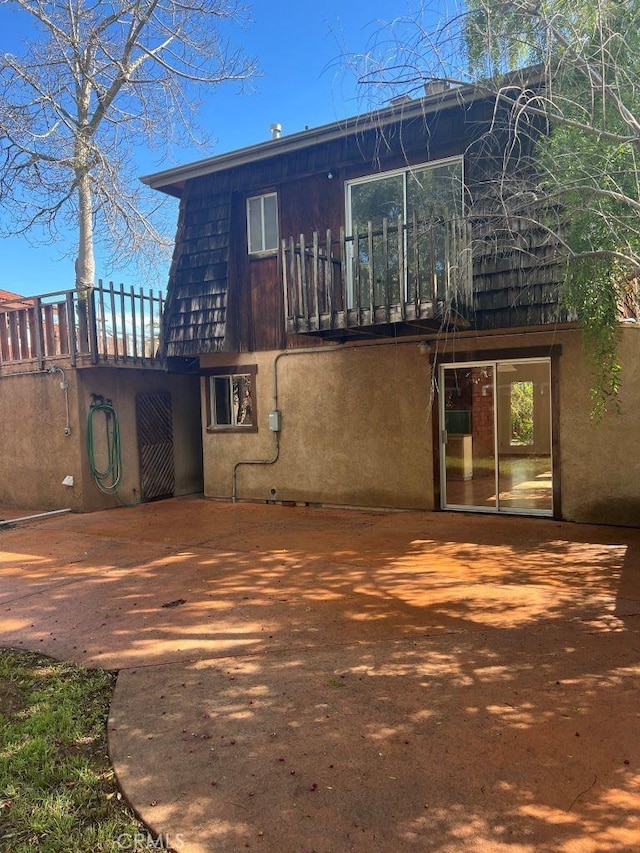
[85, 262]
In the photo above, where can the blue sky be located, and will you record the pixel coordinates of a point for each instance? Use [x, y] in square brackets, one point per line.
[300, 48]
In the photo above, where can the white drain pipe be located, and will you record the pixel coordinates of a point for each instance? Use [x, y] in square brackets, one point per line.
[8, 521]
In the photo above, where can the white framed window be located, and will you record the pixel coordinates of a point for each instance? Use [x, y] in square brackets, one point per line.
[231, 399]
[262, 223]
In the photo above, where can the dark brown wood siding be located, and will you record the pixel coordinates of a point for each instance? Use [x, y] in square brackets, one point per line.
[267, 304]
[220, 299]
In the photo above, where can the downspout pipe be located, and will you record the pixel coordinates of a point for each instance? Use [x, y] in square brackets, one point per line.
[234, 491]
[64, 385]
[306, 351]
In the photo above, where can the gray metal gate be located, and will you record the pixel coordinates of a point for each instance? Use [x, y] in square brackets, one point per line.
[155, 445]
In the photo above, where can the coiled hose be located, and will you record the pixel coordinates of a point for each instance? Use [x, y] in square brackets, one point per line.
[106, 479]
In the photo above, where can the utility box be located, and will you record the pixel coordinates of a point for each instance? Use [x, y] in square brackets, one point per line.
[275, 420]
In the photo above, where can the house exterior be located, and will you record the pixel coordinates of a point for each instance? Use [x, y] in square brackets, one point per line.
[77, 374]
[373, 329]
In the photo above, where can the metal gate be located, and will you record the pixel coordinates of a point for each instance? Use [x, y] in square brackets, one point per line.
[155, 445]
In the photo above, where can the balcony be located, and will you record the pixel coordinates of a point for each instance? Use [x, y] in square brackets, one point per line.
[111, 325]
[396, 279]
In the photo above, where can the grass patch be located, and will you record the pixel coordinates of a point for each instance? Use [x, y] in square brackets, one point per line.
[58, 791]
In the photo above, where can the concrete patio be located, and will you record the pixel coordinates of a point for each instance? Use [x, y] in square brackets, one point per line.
[297, 679]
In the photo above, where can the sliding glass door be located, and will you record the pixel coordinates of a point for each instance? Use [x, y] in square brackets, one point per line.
[495, 433]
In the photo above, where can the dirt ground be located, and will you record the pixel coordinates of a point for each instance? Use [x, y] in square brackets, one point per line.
[296, 680]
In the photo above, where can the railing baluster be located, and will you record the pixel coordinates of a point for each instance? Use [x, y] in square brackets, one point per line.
[416, 262]
[114, 321]
[328, 279]
[466, 251]
[103, 322]
[49, 329]
[346, 278]
[372, 272]
[134, 335]
[92, 330]
[4, 338]
[303, 279]
[433, 269]
[13, 336]
[448, 289]
[81, 307]
[357, 274]
[315, 276]
[285, 282]
[143, 330]
[37, 332]
[23, 334]
[71, 327]
[385, 267]
[403, 282]
[295, 282]
[123, 325]
[152, 325]
[59, 315]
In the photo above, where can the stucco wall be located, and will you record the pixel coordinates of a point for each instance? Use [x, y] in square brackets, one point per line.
[37, 455]
[356, 429]
[121, 387]
[600, 462]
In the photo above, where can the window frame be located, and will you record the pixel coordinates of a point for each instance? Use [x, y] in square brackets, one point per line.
[404, 172]
[229, 372]
[262, 197]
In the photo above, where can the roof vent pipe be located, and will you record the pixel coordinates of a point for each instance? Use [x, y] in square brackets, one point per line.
[276, 130]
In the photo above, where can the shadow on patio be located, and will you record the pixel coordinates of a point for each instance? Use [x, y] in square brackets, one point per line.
[334, 680]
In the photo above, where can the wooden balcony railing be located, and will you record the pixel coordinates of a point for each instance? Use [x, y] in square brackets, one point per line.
[403, 272]
[110, 325]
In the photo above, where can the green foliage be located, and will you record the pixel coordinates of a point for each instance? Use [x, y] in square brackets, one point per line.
[591, 290]
[588, 53]
[522, 413]
[596, 184]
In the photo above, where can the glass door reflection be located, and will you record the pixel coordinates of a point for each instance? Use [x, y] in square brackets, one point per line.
[469, 437]
[524, 436]
[496, 436]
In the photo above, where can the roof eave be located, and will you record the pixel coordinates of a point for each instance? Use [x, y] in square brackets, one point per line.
[171, 181]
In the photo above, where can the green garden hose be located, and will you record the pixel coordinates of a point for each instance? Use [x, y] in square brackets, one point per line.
[106, 479]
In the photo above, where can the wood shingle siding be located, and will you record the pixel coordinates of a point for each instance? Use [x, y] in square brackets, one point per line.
[516, 274]
[195, 315]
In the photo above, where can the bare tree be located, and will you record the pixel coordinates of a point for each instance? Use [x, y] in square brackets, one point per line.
[586, 57]
[98, 80]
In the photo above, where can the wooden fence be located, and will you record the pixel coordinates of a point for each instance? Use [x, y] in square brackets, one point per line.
[111, 324]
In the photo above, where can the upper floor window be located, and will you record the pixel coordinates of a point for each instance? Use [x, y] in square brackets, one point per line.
[428, 199]
[429, 191]
[262, 223]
